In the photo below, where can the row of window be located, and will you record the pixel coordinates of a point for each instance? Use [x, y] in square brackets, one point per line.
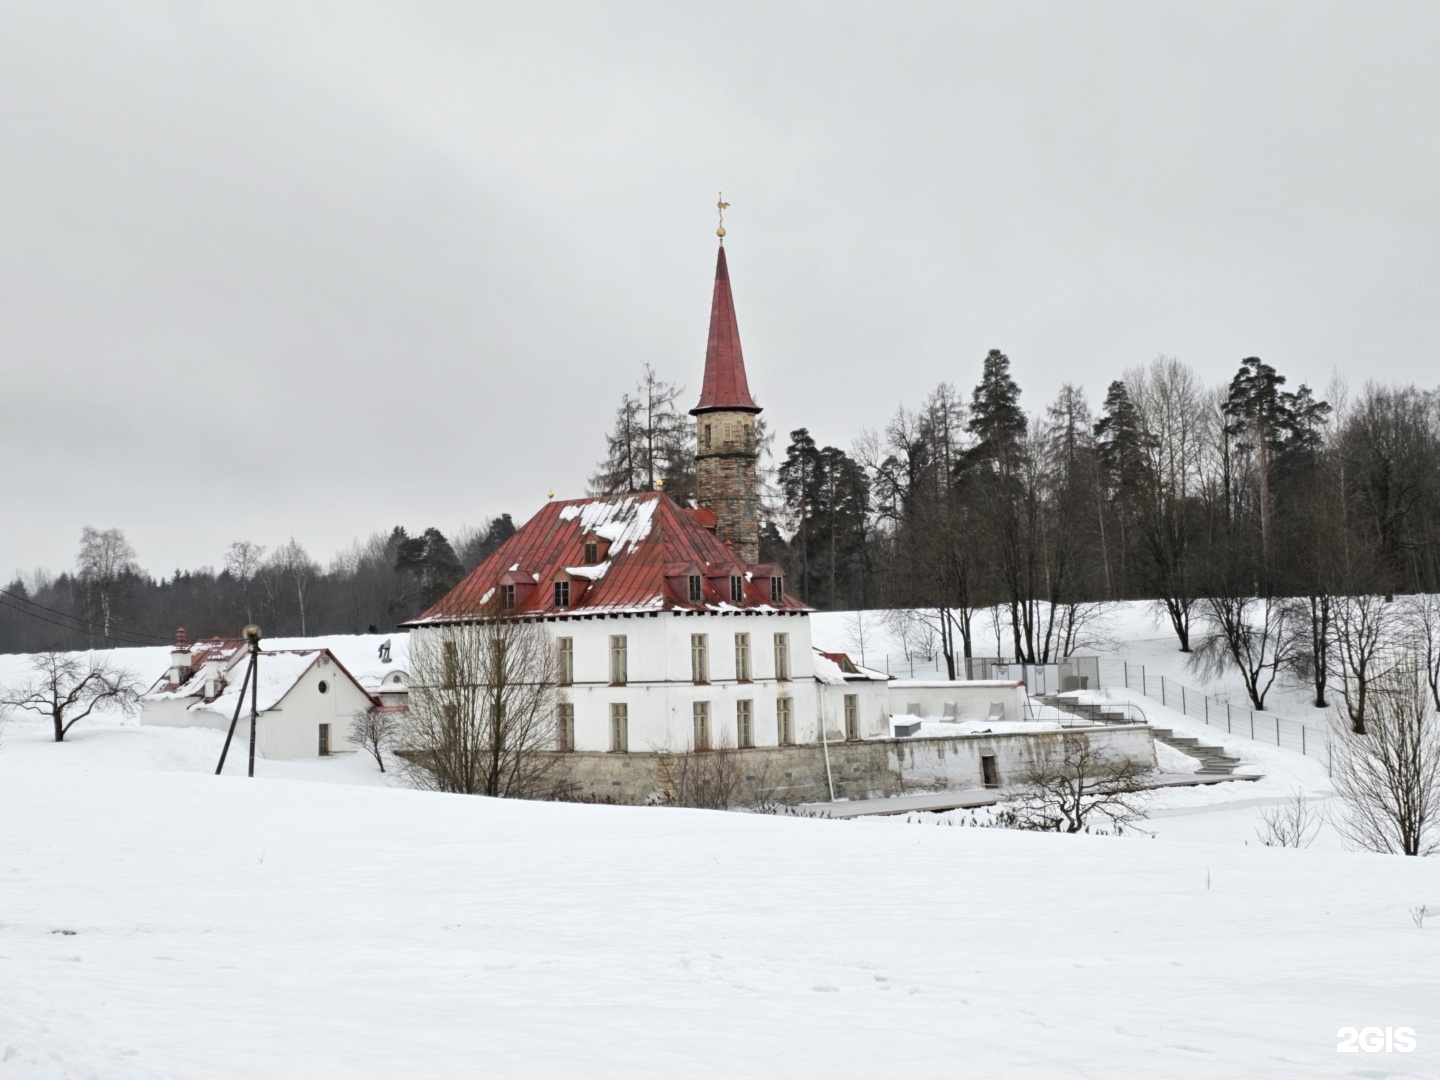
[699, 659]
[744, 724]
[561, 596]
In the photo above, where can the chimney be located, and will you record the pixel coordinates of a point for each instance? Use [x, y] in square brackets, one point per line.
[179, 659]
[214, 677]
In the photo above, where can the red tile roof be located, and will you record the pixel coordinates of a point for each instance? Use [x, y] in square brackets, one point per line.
[649, 546]
[725, 386]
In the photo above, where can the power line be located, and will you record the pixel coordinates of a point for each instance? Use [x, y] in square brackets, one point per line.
[125, 636]
[114, 638]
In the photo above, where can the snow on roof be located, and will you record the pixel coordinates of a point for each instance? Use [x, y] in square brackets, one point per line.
[654, 546]
[940, 684]
[594, 573]
[620, 521]
[276, 674]
[836, 669]
[358, 655]
[931, 728]
[830, 670]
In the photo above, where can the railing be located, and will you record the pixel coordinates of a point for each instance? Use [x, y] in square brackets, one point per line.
[1235, 720]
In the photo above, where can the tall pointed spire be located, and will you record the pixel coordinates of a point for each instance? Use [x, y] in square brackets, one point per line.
[725, 387]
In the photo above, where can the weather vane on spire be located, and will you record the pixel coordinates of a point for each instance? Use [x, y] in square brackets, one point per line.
[722, 206]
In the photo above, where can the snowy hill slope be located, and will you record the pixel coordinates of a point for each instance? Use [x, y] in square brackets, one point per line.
[156, 921]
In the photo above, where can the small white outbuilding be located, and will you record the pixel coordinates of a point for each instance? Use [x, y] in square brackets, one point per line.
[306, 698]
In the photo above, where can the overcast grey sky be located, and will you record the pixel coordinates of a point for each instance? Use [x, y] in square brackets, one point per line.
[317, 269]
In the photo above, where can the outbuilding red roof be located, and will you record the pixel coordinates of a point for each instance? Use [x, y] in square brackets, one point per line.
[725, 386]
[646, 548]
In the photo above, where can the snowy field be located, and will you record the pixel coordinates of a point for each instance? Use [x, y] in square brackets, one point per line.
[157, 921]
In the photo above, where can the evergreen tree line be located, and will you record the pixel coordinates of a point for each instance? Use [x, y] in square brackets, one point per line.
[1174, 492]
[107, 600]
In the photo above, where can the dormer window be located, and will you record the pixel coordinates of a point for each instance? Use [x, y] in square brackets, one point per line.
[592, 552]
[737, 589]
[697, 589]
[562, 594]
[777, 590]
[507, 597]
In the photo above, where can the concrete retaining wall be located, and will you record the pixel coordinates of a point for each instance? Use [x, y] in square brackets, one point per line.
[873, 768]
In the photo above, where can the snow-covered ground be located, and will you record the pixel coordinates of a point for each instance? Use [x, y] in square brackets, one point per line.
[157, 921]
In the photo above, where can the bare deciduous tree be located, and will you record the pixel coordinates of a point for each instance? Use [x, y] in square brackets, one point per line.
[1252, 635]
[1069, 780]
[1363, 650]
[105, 557]
[65, 688]
[1388, 776]
[482, 706]
[243, 562]
[1422, 626]
[290, 571]
[374, 731]
[703, 779]
[1292, 824]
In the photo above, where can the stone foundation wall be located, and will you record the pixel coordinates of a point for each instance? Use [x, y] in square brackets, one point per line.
[873, 768]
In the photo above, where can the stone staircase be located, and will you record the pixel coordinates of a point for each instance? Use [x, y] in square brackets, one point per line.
[1214, 761]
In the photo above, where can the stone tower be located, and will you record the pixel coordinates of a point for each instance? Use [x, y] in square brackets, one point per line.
[725, 446]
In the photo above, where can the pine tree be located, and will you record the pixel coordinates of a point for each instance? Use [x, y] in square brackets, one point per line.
[1123, 445]
[996, 420]
[650, 446]
[799, 476]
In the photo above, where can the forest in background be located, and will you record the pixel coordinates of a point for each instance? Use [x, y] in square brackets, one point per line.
[370, 586]
[1170, 491]
[1250, 511]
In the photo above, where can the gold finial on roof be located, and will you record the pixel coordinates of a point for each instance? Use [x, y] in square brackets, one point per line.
[722, 206]
[550, 494]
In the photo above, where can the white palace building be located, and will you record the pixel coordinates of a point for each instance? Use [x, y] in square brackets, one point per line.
[673, 636]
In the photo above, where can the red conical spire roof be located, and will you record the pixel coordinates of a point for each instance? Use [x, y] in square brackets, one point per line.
[725, 386]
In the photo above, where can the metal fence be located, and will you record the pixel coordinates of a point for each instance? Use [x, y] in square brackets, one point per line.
[1239, 720]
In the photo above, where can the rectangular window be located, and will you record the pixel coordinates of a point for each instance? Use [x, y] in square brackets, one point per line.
[562, 594]
[745, 723]
[852, 716]
[324, 740]
[619, 728]
[619, 665]
[451, 657]
[592, 552]
[707, 436]
[566, 673]
[700, 658]
[737, 589]
[702, 725]
[782, 656]
[565, 726]
[742, 657]
[784, 721]
[697, 589]
[507, 597]
[777, 590]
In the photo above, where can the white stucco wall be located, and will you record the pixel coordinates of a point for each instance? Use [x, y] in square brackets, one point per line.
[872, 703]
[290, 728]
[659, 692]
